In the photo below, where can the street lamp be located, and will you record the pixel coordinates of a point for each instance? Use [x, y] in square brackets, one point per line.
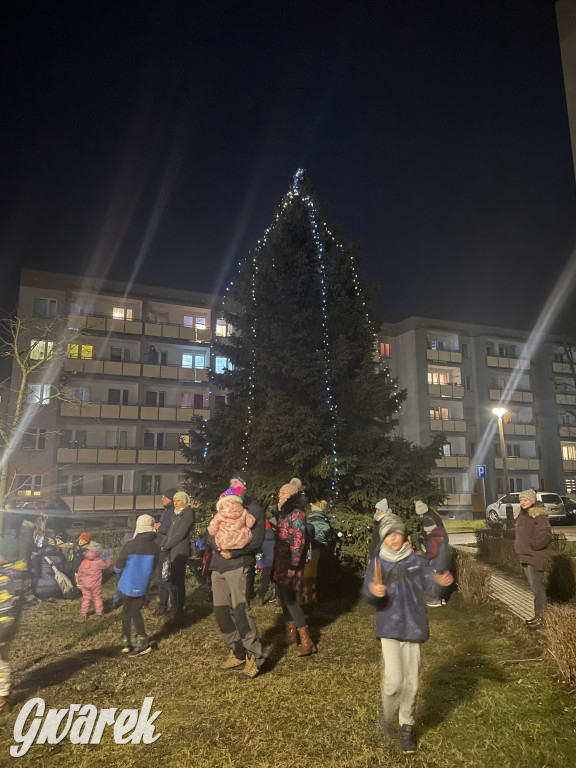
[500, 413]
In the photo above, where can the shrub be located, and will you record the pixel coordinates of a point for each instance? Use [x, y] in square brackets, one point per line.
[473, 579]
[560, 637]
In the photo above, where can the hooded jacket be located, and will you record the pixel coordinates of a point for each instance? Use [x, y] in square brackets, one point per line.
[401, 613]
[44, 584]
[291, 542]
[90, 571]
[177, 541]
[533, 536]
[137, 561]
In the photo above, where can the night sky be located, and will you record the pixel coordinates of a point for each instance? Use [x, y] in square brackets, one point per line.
[156, 138]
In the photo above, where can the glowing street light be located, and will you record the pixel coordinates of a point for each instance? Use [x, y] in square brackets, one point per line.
[499, 412]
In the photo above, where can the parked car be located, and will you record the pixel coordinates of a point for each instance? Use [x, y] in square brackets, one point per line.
[570, 507]
[552, 501]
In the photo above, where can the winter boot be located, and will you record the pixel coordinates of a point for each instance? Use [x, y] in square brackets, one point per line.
[126, 644]
[250, 670]
[141, 646]
[407, 741]
[306, 645]
[291, 634]
[232, 662]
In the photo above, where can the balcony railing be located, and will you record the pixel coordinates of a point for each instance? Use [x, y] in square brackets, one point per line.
[567, 431]
[444, 355]
[518, 363]
[133, 412]
[458, 500]
[114, 503]
[562, 368]
[447, 425]
[519, 429]
[446, 390]
[518, 396]
[515, 463]
[135, 369]
[119, 456]
[453, 462]
[139, 327]
[562, 399]
[569, 465]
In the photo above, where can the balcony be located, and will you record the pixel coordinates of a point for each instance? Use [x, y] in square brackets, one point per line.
[569, 465]
[565, 399]
[562, 368]
[447, 425]
[567, 431]
[107, 324]
[444, 356]
[446, 390]
[134, 412]
[118, 456]
[517, 363]
[135, 369]
[458, 500]
[114, 503]
[519, 429]
[518, 396]
[183, 332]
[514, 463]
[453, 462]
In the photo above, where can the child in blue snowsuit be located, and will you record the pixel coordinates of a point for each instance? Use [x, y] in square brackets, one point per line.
[396, 583]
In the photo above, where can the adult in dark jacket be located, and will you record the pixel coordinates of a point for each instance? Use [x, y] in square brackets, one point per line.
[289, 562]
[136, 563]
[166, 598]
[531, 544]
[176, 545]
[231, 608]
[42, 563]
[265, 561]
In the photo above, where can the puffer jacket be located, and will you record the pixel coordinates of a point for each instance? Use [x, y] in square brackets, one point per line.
[533, 536]
[401, 613]
[90, 571]
[245, 557]
[137, 561]
[44, 584]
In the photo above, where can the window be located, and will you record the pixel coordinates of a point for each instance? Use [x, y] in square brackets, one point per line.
[122, 313]
[34, 440]
[41, 349]
[384, 349]
[38, 394]
[222, 364]
[29, 485]
[78, 309]
[77, 485]
[119, 483]
[505, 350]
[149, 441]
[172, 441]
[74, 308]
[569, 452]
[220, 327]
[468, 383]
[118, 354]
[115, 396]
[162, 317]
[81, 394]
[199, 361]
[116, 438]
[219, 401]
[45, 307]
[186, 400]
[187, 361]
[465, 350]
[200, 322]
[107, 483]
[155, 398]
[185, 438]
[513, 449]
[439, 413]
[447, 484]
[81, 351]
[471, 449]
[198, 401]
[447, 449]
[188, 321]
[434, 377]
[570, 485]
[150, 484]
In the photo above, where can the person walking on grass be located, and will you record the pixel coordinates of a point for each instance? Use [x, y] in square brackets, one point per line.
[396, 583]
[90, 577]
[136, 563]
[176, 545]
[533, 537]
[289, 562]
[232, 610]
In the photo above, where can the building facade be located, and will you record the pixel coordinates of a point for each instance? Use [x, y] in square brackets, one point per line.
[455, 374]
[133, 374]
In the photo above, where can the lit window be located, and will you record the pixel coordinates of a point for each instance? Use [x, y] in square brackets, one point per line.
[28, 485]
[185, 438]
[384, 349]
[220, 327]
[200, 322]
[188, 321]
[41, 349]
[199, 361]
[187, 361]
[38, 394]
[82, 351]
[569, 452]
[186, 401]
[122, 313]
[222, 364]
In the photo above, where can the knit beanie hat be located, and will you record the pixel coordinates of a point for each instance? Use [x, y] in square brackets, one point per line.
[297, 481]
[234, 490]
[94, 546]
[144, 524]
[393, 524]
[420, 507]
[319, 506]
[84, 538]
[382, 505]
[241, 479]
[183, 497]
[287, 490]
[529, 494]
[169, 494]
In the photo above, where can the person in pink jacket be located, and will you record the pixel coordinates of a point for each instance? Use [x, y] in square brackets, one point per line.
[90, 577]
[231, 524]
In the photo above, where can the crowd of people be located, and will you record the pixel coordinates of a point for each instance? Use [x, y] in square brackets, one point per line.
[290, 547]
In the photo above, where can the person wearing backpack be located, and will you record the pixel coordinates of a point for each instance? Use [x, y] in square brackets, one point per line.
[324, 543]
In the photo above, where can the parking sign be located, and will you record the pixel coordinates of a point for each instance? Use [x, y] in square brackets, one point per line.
[480, 470]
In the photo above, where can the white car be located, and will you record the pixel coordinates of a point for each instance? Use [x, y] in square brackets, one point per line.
[552, 502]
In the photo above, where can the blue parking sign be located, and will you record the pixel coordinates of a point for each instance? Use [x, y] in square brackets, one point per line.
[480, 470]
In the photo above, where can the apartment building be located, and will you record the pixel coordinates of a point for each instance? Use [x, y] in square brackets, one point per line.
[134, 373]
[455, 374]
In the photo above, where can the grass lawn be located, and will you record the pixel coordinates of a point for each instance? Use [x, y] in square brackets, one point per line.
[456, 526]
[480, 705]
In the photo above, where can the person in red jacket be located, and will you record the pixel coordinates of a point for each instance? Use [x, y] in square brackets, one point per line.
[90, 577]
[531, 544]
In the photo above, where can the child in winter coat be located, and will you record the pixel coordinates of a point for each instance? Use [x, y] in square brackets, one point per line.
[434, 545]
[231, 524]
[90, 577]
[396, 583]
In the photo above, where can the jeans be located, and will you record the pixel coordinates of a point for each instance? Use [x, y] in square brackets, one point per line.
[290, 605]
[131, 607]
[536, 583]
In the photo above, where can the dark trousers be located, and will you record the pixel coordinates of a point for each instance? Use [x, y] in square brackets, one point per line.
[165, 596]
[265, 582]
[536, 583]
[290, 605]
[178, 584]
[131, 607]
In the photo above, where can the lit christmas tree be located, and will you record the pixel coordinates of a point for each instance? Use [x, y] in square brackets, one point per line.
[306, 395]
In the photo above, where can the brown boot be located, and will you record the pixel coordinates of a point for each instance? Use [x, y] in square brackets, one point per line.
[306, 645]
[291, 634]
